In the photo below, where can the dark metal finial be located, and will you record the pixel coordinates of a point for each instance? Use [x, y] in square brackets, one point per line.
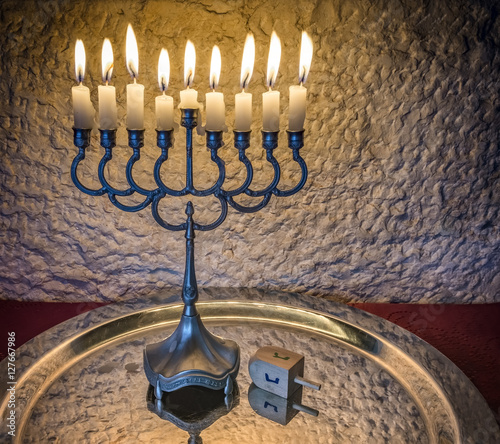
[189, 209]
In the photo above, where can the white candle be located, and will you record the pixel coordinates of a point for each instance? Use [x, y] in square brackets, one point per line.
[216, 109]
[243, 100]
[83, 110]
[135, 91]
[271, 110]
[189, 97]
[164, 112]
[164, 104]
[243, 111]
[271, 99]
[297, 111]
[107, 94]
[135, 106]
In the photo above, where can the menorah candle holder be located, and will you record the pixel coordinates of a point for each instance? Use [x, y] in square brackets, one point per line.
[191, 355]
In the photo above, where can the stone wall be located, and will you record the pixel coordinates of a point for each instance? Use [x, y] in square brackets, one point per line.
[403, 199]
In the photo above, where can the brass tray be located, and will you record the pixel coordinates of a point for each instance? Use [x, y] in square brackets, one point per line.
[83, 381]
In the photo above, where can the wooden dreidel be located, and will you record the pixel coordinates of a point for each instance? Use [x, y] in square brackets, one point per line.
[276, 408]
[279, 371]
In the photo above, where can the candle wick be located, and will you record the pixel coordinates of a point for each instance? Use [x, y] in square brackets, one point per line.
[163, 92]
[270, 89]
[300, 84]
[81, 83]
[245, 80]
[243, 90]
[106, 83]
[135, 80]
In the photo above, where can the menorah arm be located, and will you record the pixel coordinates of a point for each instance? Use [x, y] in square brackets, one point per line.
[251, 209]
[82, 141]
[110, 189]
[295, 143]
[160, 221]
[220, 219]
[128, 173]
[214, 142]
[161, 185]
[269, 143]
[130, 208]
[242, 142]
[303, 179]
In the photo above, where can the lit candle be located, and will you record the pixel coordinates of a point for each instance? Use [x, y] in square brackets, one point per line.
[243, 100]
[271, 99]
[216, 110]
[107, 94]
[297, 111]
[135, 91]
[189, 97]
[82, 106]
[164, 103]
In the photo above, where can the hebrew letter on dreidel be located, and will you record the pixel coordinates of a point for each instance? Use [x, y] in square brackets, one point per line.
[275, 407]
[279, 371]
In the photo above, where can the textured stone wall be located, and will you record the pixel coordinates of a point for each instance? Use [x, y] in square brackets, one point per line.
[403, 199]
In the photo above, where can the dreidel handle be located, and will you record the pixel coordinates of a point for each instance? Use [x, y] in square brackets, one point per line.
[307, 383]
[305, 409]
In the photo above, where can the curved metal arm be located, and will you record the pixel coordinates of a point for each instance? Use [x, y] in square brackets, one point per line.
[163, 223]
[109, 189]
[245, 209]
[220, 219]
[244, 159]
[272, 160]
[156, 174]
[130, 208]
[303, 179]
[128, 173]
[82, 141]
[214, 142]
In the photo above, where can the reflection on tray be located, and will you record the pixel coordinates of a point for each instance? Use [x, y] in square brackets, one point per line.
[193, 409]
[276, 408]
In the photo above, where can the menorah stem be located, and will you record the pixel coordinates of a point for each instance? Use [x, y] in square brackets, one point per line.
[189, 158]
[189, 120]
[190, 288]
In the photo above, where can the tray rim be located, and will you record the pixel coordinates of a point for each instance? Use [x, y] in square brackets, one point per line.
[174, 310]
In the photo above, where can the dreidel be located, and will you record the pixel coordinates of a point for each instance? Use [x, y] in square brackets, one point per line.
[276, 408]
[279, 371]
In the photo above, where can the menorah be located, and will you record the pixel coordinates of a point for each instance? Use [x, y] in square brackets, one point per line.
[191, 355]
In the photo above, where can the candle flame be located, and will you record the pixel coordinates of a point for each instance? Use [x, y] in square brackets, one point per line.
[306, 53]
[79, 61]
[189, 64]
[132, 53]
[163, 69]
[248, 61]
[273, 61]
[215, 66]
[107, 61]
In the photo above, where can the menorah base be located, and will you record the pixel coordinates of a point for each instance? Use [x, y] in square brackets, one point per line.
[191, 356]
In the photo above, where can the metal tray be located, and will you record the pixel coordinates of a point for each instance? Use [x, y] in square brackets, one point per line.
[82, 381]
